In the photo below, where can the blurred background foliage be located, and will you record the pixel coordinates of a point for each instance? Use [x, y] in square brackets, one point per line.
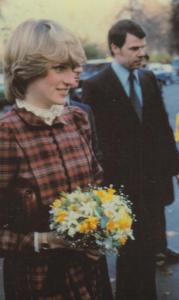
[90, 20]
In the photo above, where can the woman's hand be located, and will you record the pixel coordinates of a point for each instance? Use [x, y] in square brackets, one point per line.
[93, 254]
[50, 240]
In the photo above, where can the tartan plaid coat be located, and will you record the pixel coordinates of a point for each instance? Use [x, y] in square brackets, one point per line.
[37, 162]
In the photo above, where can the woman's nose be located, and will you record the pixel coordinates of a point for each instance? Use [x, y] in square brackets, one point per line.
[69, 77]
[78, 70]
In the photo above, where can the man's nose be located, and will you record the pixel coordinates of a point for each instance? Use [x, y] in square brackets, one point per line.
[142, 52]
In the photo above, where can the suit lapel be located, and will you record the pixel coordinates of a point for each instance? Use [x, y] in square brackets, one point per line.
[143, 84]
[146, 92]
[115, 87]
[148, 102]
[117, 92]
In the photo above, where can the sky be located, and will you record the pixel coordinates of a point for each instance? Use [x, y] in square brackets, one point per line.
[89, 19]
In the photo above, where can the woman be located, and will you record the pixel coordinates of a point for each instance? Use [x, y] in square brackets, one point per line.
[45, 149]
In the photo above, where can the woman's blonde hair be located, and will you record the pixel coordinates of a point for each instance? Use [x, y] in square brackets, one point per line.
[33, 48]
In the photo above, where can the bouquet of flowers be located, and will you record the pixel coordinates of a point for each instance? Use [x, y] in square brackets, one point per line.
[99, 218]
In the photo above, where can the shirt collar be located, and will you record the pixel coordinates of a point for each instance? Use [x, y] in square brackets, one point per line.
[122, 71]
[46, 115]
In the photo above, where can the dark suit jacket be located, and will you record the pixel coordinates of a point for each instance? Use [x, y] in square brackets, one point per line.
[141, 156]
[88, 110]
[107, 292]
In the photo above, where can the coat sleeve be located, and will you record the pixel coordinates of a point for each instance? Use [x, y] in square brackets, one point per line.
[89, 93]
[94, 137]
[95, 141]
[9, 162]
[93, 94]
[84, 128]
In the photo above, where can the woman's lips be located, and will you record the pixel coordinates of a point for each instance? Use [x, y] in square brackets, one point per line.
[63, 91]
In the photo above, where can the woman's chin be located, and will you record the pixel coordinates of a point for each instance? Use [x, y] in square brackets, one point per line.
[60, 101]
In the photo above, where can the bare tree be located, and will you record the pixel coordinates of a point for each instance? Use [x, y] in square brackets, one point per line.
[148, 15]
[1, 3]
[174, 21]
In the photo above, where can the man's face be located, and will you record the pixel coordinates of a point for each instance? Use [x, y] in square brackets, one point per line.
[77, 70]
[132, 53]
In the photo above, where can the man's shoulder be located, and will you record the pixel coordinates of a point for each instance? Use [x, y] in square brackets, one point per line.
[146, 73]
[83, 106]
[101, 76]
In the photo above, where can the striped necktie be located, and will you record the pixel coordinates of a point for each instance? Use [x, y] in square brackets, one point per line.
[133, 95]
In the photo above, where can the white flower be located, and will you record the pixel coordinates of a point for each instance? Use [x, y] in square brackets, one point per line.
[88, 208]
[80, 206]
[73, 218]
[72, 231]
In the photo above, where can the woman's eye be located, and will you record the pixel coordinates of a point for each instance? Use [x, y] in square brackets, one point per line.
[59, 68]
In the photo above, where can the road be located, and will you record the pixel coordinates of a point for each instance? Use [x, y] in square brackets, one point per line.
[168, 276]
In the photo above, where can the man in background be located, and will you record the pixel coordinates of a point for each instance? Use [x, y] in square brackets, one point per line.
[138, 149]
[164, 254]
[87, 109]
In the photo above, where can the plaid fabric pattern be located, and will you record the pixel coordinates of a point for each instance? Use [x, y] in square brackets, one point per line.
[50, 279]
[38, 162]
[12, 241]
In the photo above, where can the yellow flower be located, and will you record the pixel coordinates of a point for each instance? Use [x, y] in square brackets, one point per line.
[84, 227]
[122, 211]
[90, 224]
[73, 207]
[110, 226]
[111, 191]
[123, 240]
[57, 203]
[61, 216]
[99, 193]
[125, 222]
[104, 195]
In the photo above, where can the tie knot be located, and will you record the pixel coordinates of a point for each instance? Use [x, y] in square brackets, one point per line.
[132, 76]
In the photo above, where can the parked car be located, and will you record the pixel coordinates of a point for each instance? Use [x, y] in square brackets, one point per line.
[175, 65]
[93, 67]
[90, 69]
[163, 72]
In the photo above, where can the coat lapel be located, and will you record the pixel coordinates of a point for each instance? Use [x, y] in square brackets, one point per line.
[146, 93]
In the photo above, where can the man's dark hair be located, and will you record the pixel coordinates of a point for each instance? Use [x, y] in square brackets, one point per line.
[118, 32]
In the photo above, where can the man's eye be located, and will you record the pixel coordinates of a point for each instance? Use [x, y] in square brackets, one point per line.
[135, 48]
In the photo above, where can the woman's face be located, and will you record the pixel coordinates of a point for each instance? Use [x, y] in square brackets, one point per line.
[51, 89]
